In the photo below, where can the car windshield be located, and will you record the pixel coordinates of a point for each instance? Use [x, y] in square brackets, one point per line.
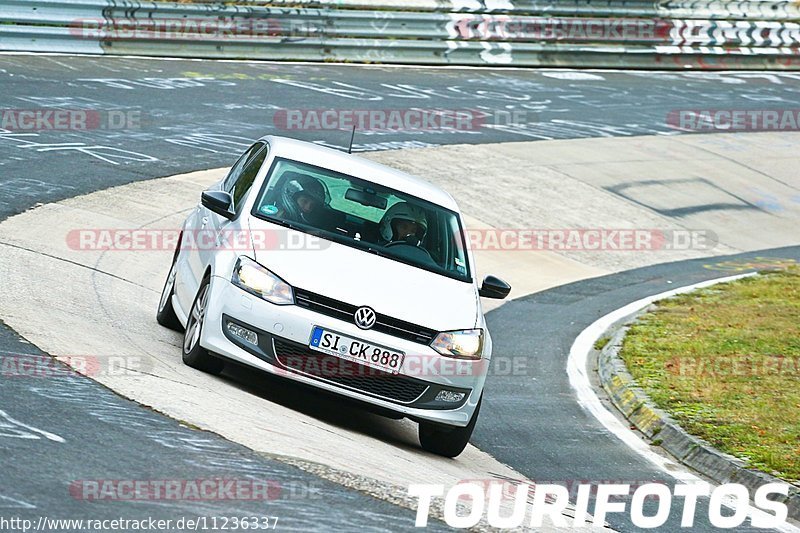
[364, 215]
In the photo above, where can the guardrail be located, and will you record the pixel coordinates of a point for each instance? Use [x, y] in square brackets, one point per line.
[571, 33]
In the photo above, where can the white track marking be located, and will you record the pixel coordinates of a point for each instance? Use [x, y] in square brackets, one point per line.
[337, 64]
[7, 502]
[579, 380]
[16, 426]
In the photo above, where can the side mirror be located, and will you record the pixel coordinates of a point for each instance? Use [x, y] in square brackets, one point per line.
[218, 202]
[494, 288]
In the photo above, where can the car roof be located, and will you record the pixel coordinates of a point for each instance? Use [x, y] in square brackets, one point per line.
[359, 167]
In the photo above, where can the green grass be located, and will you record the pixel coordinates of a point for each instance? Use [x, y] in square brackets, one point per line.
[601, 343]
[725, 363]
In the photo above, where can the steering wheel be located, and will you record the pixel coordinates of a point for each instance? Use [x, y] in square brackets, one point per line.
[413, 250]
[408, 240]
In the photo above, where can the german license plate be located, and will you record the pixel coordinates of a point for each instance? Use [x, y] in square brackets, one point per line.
[356, 350]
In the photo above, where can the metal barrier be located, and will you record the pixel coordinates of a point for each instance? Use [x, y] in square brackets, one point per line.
[574, 33]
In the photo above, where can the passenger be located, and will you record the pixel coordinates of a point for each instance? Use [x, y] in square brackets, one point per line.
[304, 199]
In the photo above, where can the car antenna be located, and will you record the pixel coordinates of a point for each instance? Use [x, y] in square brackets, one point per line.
[353, 134]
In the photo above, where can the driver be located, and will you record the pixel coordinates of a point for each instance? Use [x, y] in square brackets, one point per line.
[304, 198]
[404, 222]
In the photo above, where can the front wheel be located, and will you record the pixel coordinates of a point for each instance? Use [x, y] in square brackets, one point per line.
[447, 441]
[195, 355]
[166, 313]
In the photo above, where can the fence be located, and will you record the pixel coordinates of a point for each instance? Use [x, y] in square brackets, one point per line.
[571, 33]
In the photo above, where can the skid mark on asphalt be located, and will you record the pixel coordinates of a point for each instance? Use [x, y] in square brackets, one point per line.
[641, 193]
[50, 256]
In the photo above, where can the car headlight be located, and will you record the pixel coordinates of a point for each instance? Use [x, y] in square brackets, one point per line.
[256, 279]
[463, 344]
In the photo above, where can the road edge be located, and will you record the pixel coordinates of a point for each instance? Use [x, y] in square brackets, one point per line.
[661, 430]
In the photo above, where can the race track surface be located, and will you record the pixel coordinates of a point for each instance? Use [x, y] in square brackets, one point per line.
[192, 115]
[532, 420]
[69, 444]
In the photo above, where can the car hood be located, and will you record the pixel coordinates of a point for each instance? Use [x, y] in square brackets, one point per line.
[361, 278]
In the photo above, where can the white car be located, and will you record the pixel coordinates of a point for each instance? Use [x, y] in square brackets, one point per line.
[341, 274]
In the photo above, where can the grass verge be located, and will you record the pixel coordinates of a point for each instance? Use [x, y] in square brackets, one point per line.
[724, 362]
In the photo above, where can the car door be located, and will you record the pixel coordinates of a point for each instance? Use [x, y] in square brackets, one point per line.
[201, 230]
[237, 186]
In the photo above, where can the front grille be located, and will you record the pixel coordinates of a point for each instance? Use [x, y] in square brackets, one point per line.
[299, 358]
[345, 311]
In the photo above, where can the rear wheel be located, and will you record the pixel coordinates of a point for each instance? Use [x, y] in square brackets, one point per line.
[447, 441]
[195, 355]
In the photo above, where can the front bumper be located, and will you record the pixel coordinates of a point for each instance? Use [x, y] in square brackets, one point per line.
[282, 349]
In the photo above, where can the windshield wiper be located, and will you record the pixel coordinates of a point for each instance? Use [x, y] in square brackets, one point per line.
[398, 258]
[284, 223]
[378, 252]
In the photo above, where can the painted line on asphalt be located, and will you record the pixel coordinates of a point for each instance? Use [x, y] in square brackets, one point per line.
[33, 433]
[360, 65]
[305, 63]
[588, 399]
[389, 65]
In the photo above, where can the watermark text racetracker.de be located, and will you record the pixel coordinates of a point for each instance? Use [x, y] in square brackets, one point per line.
[49, 367]
[407, 120]
[734, 365]
[195, 523]
[415, 365]
[206, 489]
[559, 29]
[61, 119]
[734, 119]
[183, 28]
[591, 239]
[510, 239]
[413, 119]
[133, 240]
[647, 505]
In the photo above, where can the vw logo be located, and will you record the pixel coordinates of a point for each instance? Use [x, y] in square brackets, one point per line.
[364, 317]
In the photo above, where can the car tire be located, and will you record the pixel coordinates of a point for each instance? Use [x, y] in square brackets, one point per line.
[195, 355]
[447, 441]
[166, 313]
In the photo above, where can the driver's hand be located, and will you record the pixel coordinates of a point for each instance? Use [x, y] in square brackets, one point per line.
[412, 239]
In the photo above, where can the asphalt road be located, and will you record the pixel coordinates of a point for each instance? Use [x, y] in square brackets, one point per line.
[189, 115]
[182, 115]
[530, 419]
[69, 446]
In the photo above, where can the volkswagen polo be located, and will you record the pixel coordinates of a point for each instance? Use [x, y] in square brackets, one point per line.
[339, 273]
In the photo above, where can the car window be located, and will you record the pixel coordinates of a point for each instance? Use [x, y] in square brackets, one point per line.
[364, 215]
[237, 168]
[248, 175]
